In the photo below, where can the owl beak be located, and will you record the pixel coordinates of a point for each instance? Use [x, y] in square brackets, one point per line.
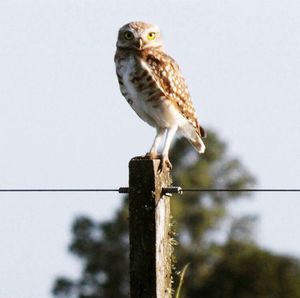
[141, 43]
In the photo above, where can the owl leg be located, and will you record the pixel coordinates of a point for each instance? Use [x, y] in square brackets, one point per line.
[157, 140]
[165, 162]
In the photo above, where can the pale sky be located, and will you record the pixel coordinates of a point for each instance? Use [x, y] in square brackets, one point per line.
[64, 123]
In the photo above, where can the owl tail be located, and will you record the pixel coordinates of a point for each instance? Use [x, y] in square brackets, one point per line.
[194, 136]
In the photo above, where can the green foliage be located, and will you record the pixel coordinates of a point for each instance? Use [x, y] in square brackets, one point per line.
[182, 274]
[245, 271]
[103, 248]
[236, 268]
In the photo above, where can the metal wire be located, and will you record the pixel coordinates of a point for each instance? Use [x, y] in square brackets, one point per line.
[244, 189]
[170, 190]
[60, 190]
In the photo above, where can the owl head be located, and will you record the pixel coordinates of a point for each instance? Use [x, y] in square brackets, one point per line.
[139, 36]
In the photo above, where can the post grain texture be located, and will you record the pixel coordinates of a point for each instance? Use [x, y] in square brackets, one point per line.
[149, 230]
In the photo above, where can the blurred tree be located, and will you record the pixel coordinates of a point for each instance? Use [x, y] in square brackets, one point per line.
[233, 269]
[245, 271]
[103, 248]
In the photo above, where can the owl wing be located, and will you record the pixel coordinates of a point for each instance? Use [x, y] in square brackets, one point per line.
[168, 76]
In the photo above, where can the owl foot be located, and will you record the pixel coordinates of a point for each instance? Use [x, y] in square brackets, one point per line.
[164, 164]
[151, 156]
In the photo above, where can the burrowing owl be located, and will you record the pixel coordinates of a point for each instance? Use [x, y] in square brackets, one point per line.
[153, 85]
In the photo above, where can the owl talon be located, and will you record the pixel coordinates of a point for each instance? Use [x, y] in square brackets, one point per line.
[164, 164]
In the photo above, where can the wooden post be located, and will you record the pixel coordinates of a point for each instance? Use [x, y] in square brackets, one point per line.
[149, 230]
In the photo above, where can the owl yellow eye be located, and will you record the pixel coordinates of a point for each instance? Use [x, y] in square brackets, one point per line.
[128, 35]
[151, 35]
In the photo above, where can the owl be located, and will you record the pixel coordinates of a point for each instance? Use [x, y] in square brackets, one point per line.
[154, 87]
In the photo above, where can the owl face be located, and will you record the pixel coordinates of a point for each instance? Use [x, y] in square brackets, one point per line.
[139, 36]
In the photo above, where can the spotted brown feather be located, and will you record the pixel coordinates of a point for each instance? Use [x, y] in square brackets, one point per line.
[168, 76]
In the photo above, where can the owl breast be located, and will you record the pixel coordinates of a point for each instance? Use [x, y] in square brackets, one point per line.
[138, 86]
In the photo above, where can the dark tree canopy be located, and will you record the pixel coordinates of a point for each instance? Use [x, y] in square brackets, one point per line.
[245, 271]
[234, 268]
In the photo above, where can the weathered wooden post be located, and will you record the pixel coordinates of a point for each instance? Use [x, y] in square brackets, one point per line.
[149, 230]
